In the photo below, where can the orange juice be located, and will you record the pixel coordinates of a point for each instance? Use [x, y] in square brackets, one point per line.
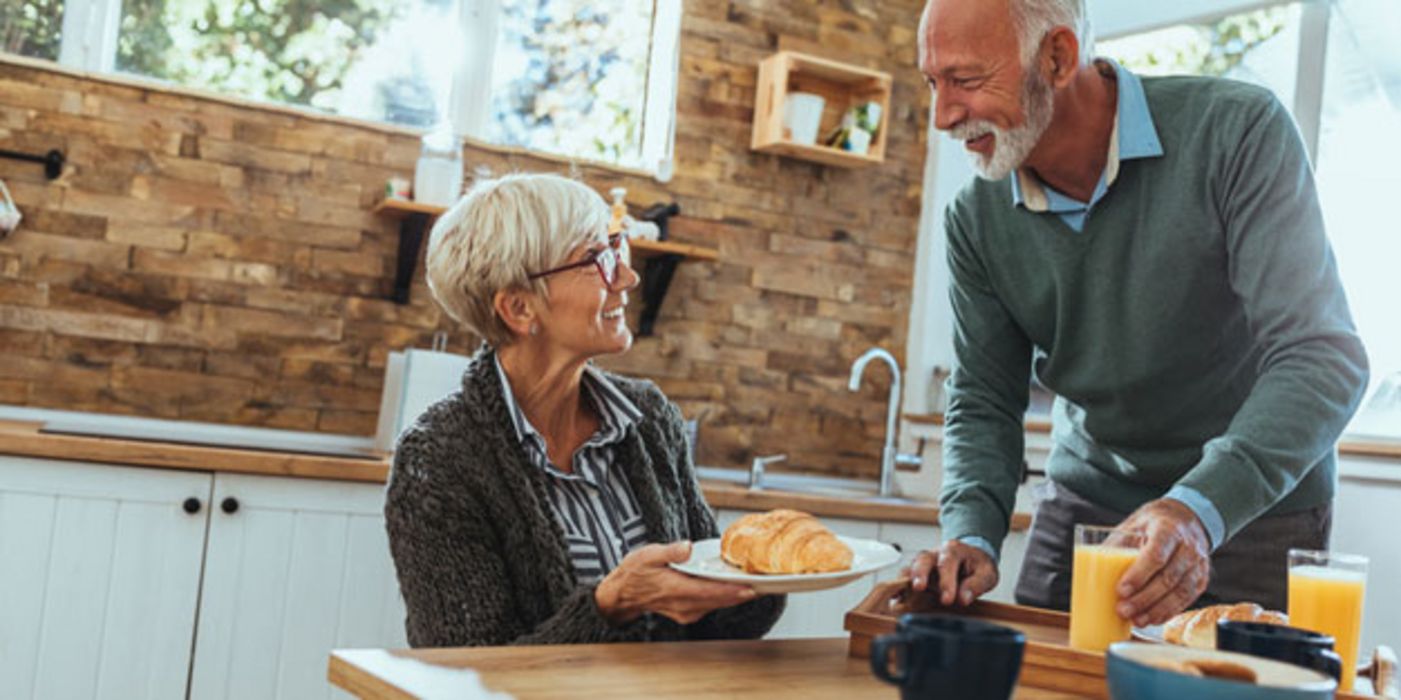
[1329, 600]
[1094, 624]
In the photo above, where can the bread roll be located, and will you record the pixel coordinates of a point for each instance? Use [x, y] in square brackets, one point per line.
[1197, 628]
[783, 542]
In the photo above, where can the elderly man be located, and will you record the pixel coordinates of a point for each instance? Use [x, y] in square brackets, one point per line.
[1154, 249]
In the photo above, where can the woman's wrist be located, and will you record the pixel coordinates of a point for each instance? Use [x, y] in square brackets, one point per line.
[608, 597]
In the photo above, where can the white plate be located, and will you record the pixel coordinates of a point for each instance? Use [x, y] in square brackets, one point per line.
[1152, 633]
[867, 556]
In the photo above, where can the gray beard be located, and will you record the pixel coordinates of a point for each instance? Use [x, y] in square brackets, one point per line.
[1010, 147]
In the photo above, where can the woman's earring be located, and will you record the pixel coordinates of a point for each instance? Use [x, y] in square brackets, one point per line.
[534, 329]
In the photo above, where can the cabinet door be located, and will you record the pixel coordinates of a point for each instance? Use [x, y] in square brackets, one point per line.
[298, 568]
[99, 579]
[819, 613]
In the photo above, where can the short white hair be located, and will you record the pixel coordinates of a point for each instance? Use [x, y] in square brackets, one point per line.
[1034, 18]
[499, 233]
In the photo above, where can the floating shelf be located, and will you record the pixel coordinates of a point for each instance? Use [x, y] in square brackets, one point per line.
[841, 85]
[659, 257]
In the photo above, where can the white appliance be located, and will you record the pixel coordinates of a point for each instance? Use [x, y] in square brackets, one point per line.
[413, 381]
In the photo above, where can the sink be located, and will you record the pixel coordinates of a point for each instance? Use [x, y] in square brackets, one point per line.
[836, 487]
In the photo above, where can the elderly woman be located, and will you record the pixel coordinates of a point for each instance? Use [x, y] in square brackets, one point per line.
[543, 502]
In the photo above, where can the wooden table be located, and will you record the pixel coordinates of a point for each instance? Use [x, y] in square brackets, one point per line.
[788, 668]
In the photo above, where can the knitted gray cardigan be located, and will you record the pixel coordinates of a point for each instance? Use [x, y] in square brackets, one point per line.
[480, 558]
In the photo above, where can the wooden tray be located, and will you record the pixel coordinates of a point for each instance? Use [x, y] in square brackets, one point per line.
[1048, 661]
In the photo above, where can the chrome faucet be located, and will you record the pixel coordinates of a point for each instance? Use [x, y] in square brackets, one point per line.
[889, 456]
[756, 469]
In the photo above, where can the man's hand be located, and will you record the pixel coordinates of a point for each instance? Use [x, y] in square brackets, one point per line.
[963, 572]
[1173, 566]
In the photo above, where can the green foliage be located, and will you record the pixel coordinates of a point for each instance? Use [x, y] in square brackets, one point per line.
[286, 51]
[575, 76]
[31, 27]
[1212, 49]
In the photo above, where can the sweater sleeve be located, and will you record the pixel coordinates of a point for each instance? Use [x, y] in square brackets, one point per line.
[987, 399]
[453, 577]
[745, 621]
[1312, 367]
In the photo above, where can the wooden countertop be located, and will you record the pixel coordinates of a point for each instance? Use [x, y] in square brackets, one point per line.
[1352, 447]
[23, 438]
[809, 669]
[725, 495]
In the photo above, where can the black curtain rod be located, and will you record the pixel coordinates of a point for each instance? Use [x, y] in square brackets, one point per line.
[53, 160]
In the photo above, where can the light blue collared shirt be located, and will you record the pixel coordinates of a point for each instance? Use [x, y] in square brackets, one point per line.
[1134, 136]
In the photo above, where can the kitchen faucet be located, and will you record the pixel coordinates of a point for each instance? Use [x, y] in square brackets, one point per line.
[889, 456]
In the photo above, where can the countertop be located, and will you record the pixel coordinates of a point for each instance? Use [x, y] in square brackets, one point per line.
[23, 438]
[788, 668]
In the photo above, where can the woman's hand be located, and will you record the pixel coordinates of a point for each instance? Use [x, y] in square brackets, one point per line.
[643, 582]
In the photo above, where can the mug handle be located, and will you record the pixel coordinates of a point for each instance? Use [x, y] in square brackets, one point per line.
[880, 658]
[1327, 661]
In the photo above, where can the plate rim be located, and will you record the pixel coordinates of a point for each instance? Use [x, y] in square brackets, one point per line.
[737, 576]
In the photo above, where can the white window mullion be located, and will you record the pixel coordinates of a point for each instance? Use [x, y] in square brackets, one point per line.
[90, 34]
[1308, 86]
[469, 103]
[659, 112]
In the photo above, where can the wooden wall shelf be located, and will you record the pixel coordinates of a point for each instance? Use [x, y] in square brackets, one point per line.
[657, 260]
[842, 86]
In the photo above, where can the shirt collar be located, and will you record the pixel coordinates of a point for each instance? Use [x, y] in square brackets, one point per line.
[1134, 136]
[616, 412]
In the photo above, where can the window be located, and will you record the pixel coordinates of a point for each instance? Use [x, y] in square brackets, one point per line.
[576, 78]
[571, 78]
[31, 27]
[1260, 47]
[1359, 145]
[1337, 65]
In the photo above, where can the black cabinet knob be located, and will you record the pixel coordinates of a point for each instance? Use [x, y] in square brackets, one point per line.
[191, 505]
[230, 505]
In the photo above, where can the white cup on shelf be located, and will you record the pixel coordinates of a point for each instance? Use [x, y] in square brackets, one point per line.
[802, 115]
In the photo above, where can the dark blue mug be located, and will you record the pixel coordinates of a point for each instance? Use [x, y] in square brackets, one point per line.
[1291, 645]
[949, 658]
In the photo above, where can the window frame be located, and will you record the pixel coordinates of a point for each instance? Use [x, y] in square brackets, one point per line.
[96, 26]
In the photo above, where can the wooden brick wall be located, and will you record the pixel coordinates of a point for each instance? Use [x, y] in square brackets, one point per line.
[209, 260]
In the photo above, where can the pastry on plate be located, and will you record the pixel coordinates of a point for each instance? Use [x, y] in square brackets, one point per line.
[783, 542]
[1197, 628]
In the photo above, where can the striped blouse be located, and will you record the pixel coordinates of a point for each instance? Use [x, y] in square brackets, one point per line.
[593, 505]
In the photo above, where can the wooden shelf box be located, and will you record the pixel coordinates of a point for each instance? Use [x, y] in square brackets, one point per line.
[841, 85]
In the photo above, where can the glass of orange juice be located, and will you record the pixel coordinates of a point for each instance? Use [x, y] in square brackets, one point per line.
[1102, 555]
[1325, 595]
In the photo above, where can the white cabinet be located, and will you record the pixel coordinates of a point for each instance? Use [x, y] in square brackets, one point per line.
[295, 568]
[99, 579]
[103, 575]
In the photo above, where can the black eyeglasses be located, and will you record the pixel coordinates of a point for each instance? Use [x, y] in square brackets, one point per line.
[607, 260]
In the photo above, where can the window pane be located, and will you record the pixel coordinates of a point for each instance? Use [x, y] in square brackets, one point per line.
[31, 27]
[1261, 47]
[571, 77]
[1358, 149]
[377, 59]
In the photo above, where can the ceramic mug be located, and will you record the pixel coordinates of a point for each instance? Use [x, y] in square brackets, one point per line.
[1288, 644]
[802, 114]
[949, 658]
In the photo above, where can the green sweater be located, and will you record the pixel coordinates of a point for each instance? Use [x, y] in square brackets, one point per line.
[1195, 332]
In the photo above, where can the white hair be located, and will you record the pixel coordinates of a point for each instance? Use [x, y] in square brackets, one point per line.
[499, 233]
[1034, 18]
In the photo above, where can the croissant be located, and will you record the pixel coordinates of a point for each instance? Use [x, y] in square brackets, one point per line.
[783, 542]
[1197, 628]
